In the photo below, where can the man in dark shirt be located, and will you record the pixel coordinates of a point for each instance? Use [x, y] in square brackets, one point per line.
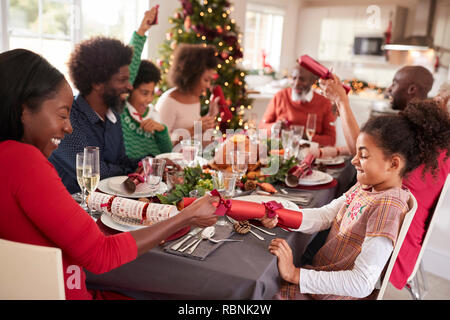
[99, 70]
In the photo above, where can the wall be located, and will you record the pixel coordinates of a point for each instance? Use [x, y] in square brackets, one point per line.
[157, 34]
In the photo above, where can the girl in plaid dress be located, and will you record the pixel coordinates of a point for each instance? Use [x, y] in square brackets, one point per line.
[365, 221]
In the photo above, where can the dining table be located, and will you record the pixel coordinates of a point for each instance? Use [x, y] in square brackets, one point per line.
[243, 270]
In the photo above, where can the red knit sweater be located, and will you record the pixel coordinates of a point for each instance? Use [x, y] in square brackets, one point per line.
[282, 107]
[37, 209]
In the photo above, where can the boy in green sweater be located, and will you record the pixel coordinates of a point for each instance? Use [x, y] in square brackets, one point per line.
[143, 134]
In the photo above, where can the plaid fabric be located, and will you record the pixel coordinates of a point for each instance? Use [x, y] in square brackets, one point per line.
[291, 291]
[364, 213]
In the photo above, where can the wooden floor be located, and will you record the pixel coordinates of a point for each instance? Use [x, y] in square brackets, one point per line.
[438, 289]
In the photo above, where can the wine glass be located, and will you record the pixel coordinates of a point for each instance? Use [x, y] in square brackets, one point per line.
[311, 125]
[190, 150]
[79, 166]
[91, 169]
[239, 164]
[153, 171]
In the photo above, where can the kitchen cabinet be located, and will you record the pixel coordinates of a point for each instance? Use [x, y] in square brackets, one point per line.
[442, 32]
[328, 32]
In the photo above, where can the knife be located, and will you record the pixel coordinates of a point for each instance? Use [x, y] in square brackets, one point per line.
[191, 234]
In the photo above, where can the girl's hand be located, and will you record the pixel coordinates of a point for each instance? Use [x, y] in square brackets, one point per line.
[333, 90]
[151, 125]
[281, 249]
[269, 222]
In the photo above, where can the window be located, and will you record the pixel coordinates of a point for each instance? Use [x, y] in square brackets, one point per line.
[53, 27]
[263, 35]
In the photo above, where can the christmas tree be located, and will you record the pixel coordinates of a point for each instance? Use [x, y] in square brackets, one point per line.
[208, 22]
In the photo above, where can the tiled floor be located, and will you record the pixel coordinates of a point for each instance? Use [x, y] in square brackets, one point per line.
[438, 289]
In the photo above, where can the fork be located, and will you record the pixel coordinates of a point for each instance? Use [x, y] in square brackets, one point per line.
[224, 240]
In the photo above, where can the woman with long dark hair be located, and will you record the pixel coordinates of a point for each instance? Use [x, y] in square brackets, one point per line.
[36, 207]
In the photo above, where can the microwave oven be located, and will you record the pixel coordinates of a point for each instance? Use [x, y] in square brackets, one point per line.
[368, 46]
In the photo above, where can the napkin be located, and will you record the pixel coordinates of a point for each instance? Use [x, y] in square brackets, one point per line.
[297, 172]
[206, 247]
[134, 179]
[245, 210]
[316, 68]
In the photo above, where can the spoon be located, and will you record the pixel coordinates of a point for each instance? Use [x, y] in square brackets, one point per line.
[206, 233]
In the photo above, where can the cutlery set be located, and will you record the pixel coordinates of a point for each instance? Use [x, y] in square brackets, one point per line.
[198, 234]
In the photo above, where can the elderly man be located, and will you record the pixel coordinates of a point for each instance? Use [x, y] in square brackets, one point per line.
[294, 104]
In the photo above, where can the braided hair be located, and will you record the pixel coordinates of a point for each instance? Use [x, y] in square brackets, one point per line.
[419, 133]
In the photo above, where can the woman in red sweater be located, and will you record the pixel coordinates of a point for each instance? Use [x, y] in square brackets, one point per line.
[294, 104]
[36, 207]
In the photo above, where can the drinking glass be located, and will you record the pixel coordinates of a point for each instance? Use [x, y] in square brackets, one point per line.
[225, 183]
[91, 169]
[286, 138]
[298, 130]
[173, 178]
[190, 150]
[311, 125]
[153, 171]
[79, 166]
[294, 146]
[240, 161]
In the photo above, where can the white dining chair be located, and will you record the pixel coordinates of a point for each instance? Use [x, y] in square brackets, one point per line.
[412, 204]
[417, 282]
[30, 272]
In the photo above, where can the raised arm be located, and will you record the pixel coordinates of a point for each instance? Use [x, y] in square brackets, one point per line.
[333, 90]
[138, 41]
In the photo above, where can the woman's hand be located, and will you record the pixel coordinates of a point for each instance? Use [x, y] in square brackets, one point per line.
[333, 90]
[201, 211]
[269, 222]
[213, 106]
[208, 122]
[280, 248]
[151, 125]
[147, 21]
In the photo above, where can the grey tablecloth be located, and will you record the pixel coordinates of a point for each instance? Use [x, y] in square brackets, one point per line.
[236, 270]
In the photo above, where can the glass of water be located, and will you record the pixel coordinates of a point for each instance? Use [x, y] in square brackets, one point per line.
[190, 150]
[153, 171]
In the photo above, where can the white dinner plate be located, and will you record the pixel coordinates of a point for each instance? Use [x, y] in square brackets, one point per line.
[259, 199]
[109, 222]
[315, 179]
[178, 158]
[114, 186]
[331, 161]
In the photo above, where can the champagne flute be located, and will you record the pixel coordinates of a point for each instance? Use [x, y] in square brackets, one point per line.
[91, 169]
[311, 125]
[80, 180]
